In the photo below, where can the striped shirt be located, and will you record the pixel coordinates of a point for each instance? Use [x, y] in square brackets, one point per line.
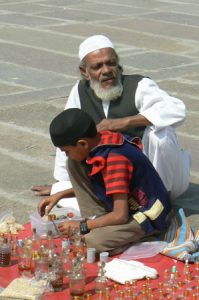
[118, 166]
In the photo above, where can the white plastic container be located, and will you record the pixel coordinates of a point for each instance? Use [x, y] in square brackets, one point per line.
[43, 226]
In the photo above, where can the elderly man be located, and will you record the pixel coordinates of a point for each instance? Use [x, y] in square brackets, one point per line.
[133, 104]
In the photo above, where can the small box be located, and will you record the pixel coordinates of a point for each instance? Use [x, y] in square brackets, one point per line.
[42, 224]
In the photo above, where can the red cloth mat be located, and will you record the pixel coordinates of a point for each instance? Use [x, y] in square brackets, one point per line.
[159, 262]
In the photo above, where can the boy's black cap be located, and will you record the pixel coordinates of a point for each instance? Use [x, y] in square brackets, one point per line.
[69, 126]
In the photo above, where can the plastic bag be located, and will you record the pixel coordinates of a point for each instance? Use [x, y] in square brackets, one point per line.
[8, 223]
[25, 289]
[4, 215]
[143, 250]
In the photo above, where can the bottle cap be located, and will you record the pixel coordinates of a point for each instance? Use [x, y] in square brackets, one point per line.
[20, 243]
[104, 256]
[91, 255]
[173, 270]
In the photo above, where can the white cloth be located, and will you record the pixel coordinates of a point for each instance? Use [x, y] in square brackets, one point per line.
[170, 161]
[165, 113]
[121, 270]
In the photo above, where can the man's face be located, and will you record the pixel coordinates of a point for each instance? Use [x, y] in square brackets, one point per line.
[102, 66]
[102, 70]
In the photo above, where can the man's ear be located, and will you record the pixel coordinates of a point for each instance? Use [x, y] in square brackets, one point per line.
[83, 143]
[84, 73]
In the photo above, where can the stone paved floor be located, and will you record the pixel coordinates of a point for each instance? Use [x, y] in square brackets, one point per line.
[39, 42]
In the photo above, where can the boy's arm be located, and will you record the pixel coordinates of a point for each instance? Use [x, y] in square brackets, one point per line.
[48, 203]
[119, 215]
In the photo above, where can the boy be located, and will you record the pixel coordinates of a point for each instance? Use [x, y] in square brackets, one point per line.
[124, 190]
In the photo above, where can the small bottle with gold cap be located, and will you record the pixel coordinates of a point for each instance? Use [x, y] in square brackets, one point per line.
[174, 292]
[134, 288]
[187, 259]
[127, 285]
[166, 277]
[87, 296]
[160, 285]
[196, 268]
[180, 288]
[197, 289]
[77, 298]
[148, 282]
[115, 291]
[121, 295]
[160, 294]
[188, 281]
[144, 287]
[144, 295]
[172, 279]
[186, 294]
[99, 295]
[107, 291]
[128, 294]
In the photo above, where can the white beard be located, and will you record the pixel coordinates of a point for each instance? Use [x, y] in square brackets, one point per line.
[107, 94]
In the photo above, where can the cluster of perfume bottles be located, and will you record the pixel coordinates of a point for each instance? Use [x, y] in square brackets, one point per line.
[172, 285]
[45, 258]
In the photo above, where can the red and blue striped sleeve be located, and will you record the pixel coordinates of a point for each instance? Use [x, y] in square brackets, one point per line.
[117, 174]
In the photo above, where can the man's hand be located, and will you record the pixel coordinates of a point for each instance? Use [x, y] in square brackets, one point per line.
[113, 124]
[47, 204]
[121, 124]
[69, 228]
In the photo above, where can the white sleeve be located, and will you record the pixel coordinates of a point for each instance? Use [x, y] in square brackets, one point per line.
[73, 99]
[157, 106]
[60, 171]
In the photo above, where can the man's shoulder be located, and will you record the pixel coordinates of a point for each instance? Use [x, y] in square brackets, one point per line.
[83, 82]
[134, 77]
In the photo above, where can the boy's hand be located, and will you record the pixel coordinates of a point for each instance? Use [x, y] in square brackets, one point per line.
[46, 204]
[69, 228]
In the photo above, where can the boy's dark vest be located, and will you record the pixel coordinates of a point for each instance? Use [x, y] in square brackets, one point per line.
[122, 107]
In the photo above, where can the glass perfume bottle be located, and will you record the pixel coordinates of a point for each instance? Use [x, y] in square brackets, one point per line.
[197, 268]
[24, 258]
[5, 253]
[172, 280]
[56, 273]
[77, 284]
[65, 253]
[42, 263]
[101, 280]
[77, 279]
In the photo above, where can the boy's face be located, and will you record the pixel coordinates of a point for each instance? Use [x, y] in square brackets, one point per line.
[79, 152]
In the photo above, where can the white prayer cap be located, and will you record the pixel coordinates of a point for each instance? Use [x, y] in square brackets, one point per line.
[93, 43]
